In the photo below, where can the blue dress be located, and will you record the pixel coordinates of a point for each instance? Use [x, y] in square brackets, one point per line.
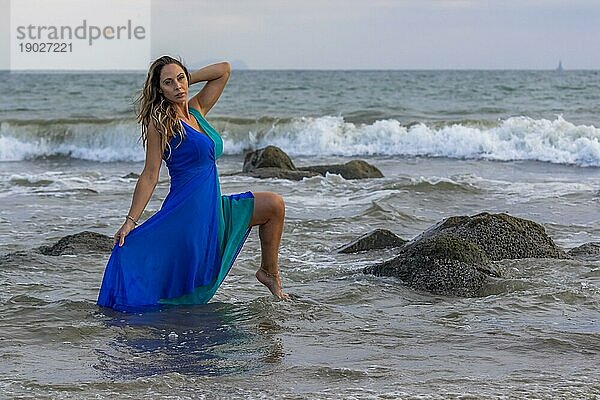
[183, 252]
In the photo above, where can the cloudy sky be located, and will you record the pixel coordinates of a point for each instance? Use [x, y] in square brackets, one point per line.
[377, 34]
[382, 34]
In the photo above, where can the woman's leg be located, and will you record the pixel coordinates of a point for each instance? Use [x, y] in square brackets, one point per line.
[269, 213]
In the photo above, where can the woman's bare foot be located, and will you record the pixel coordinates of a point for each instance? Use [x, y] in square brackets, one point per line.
[272, 282]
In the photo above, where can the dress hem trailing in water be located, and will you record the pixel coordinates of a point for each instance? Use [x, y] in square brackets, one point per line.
[181, 254]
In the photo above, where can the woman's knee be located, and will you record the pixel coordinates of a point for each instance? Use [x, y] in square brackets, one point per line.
[267, 206]
[278, 205]
[275, 205]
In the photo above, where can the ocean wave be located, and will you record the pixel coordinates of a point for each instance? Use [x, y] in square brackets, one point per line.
[516, 138]
[87, 139]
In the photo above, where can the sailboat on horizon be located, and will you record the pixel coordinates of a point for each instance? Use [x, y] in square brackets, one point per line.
[560, 67]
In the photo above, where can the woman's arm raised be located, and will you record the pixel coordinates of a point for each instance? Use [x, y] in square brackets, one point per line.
[217, 76]
[145, 184]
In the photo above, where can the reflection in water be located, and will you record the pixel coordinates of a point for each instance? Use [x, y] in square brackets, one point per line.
[212, 339]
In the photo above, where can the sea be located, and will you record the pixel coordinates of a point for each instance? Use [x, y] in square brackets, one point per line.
[448, 143]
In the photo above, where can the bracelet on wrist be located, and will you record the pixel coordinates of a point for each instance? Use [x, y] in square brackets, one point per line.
[129, 217]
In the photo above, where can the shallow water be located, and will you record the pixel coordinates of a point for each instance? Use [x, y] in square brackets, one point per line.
[448, 143]
[345, 335]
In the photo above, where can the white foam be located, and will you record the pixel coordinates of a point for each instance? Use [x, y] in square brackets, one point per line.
[98, 142]
[517, 138]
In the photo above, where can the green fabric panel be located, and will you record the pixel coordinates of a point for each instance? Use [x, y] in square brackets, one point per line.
[210, 131]
[237, 215]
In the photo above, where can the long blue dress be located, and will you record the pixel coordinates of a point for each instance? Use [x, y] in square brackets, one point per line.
[183, 252]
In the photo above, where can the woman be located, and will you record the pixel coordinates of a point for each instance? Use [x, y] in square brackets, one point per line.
[181, 254]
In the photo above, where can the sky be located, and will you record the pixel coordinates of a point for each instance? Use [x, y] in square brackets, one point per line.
[375, 34]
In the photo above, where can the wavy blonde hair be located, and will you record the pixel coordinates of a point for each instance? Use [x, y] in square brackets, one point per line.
[151, 105]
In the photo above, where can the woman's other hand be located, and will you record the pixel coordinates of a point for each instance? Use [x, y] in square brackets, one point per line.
[127, 226]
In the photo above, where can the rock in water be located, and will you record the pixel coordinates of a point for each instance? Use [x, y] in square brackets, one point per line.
[378, 239]
[80, 243]
[355, 169]
[278, 173]
[272, 162]
[444, 264]
[454, 257]
[586, 252]
[501, 236]
[268, 157]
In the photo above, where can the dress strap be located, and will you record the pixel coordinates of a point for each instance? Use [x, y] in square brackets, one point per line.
[209, 130]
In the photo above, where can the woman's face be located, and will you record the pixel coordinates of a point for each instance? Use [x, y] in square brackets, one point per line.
[173, 83]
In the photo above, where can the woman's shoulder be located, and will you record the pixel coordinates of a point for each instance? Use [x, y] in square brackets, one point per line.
[152, 129]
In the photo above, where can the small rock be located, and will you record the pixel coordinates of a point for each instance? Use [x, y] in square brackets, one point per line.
[378, 239]
[131, 175]
[355, 169]
[268, 157]
[80, 243]
[586, 252]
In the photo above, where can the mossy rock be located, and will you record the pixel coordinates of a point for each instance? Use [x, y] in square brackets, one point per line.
[268, 157]
[378, 239]
[501, 236]
[456, 256]
[444, 264]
